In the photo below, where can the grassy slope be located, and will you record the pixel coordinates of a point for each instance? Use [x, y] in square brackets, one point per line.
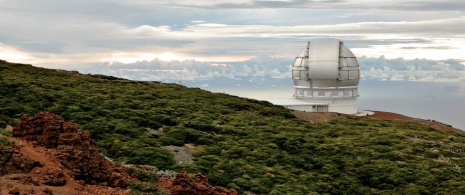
[241, 143]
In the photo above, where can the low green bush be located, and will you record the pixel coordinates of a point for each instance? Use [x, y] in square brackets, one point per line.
[4, 141]
[141, 188]
[5, 132]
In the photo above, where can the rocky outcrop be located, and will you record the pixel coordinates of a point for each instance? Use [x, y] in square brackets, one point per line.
[74, 150]
[50, 130]
[183, 184]
[12, 161]
[54, 178]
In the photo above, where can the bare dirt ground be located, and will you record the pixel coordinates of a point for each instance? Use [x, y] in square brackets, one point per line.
[319, 117]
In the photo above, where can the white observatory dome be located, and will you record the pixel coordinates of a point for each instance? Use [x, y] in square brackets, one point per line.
[327, 73]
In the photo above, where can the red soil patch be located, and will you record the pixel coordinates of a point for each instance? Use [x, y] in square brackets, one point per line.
[319, 117]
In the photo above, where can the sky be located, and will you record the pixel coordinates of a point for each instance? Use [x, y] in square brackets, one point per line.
[411, 52]
[64, 34]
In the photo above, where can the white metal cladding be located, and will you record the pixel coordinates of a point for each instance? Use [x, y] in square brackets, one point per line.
[324, 50]
[325, 63]
[323, 59]
[323, 70]
[344, 75]
[347, 53]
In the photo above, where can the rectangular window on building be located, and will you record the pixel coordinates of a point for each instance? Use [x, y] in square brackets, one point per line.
[303, 75]
[344, 62]
[321, 93]
[334, 94]
[351, 62]
[343, 75]
[295, 74]
[309, 93]
[348, 93]
[353, 74]
[298, 62]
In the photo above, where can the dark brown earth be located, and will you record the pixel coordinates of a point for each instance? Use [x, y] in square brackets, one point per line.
[183, 185]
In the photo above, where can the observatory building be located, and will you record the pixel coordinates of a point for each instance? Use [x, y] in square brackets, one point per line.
[326, 76]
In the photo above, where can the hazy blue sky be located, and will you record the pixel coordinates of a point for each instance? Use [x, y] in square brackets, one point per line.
[411, 52]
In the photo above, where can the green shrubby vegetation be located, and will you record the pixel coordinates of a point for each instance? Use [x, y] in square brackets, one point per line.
[240, 143]
[143, 188]
[146, 180]
[5, 132]
[3, 139]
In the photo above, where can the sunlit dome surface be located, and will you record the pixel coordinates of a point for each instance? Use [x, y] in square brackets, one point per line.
[325, 63]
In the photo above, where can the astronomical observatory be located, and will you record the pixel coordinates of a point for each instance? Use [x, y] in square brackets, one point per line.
[326, 76]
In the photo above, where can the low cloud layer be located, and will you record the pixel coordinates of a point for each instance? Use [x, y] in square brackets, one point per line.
[412, 70]
[274, 69]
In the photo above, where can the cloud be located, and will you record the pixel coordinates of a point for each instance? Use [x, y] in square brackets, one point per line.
[63, 33]
[276, 4]
[412, 70]
[10, 54]
[270, 69]
[407, 5]
[191, 70]
[364, 29]
[431, 47]
[453, 5]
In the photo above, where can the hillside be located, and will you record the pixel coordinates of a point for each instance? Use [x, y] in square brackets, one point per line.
[248, 145]
[44, 154]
